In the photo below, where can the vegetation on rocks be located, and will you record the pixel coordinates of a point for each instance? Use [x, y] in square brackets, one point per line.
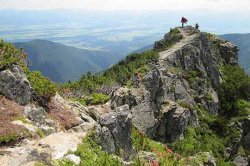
[41, 85]
[9, 55]
[10, 111]
[169, 40]
[95, 98]
[91, 154]
[7, 135]
[234, 88]
[120, 73]
[164, 155]
[61, 114]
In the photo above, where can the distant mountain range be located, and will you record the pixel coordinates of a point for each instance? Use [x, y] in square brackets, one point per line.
[243, 43]
[62, 63]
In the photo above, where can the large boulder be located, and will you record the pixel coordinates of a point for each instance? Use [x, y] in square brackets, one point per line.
[131, 97]
[37, 115]
[144, 118]
[14, 85]
[114, 132]
[174, 121]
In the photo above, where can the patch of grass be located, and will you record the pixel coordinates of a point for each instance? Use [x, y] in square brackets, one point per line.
[66, 162]
[40, 133]
[38, 163]
[91, 154]
[80, 100]
[8, 138]
[208, 97]
[193, 76]
[176, 70]
[165, 156]
[95, 98]
[24, 120]
[16, 132]
[169, 40]
[174, 31]
[184, 104]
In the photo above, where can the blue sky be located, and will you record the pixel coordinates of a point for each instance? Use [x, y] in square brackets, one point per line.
[218, 5]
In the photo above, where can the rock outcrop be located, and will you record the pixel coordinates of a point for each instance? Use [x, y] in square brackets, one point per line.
[185, 74]
[114, 132]
[14, 85]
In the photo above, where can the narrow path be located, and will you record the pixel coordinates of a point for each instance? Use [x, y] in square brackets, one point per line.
[186, 40]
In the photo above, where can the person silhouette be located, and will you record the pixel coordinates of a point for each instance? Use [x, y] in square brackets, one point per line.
[183, 21]
[196, 26]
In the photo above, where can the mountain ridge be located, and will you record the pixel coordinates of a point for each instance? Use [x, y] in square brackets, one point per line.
[190, 107]
[63, 63]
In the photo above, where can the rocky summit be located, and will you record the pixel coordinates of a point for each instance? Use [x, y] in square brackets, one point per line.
[190, 107]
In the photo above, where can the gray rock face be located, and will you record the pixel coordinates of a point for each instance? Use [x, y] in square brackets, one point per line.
[241, 161]
[246, 134]
[131, 97]
[186, 74]
[114, 132]
[37, 115]
[14, 85]
[176, 121]
[227, 48]
[143, 117]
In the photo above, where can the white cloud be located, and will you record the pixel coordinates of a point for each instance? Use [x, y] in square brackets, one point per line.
[220, 5]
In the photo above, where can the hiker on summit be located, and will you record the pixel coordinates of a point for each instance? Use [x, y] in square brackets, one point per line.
[183, 21]
[196, 26]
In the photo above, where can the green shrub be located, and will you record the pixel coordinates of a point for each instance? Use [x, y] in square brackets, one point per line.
[41, 85]
[66, 162]
[40, 133]
[120, 73]
[10, 55]
[235, 87]
[165, 156]
[38, 163]
[94, 99]
[213, 134]
[174, 31]
[8, 138]
[80, 100]
[91, 154]
[98, 98]
[243, 108]
[24, 120]
[184, 104]
[172, 37]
